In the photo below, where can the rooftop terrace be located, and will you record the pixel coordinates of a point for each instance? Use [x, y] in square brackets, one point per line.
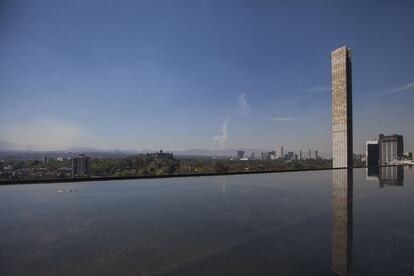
[297, 223]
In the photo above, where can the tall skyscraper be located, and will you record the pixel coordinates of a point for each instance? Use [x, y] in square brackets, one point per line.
[342, 107]
[80, 165]
[316, 154]
[265, 155]
[390, 148]
[300, 154]
[372, 153]
[342, 221]
[309, 154]
[240, 154]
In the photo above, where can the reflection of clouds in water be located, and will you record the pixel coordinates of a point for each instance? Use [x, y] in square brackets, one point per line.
[79, 226]
[401, 234]
[67, 190]
[247, 192]
[222, 181]
[241, 214]
[283, 199]
[48, 237]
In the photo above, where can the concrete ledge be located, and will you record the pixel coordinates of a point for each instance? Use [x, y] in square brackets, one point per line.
[90, 179]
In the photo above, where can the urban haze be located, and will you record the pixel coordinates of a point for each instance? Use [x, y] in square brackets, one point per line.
[206, 137]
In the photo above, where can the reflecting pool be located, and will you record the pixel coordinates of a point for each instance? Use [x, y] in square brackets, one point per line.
[336, 222]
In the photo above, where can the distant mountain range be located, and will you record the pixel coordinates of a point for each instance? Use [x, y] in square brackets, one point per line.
[91, 149]
[9, 146]
[221, 152]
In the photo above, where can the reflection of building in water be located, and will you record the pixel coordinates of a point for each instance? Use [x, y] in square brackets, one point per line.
[342, 192]
[386, 176]
[372, 173]
[391, 176]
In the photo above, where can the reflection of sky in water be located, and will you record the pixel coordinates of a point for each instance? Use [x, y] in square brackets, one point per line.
[222, 182]
[241, 224]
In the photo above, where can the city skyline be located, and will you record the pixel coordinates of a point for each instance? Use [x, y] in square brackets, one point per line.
[199, 74]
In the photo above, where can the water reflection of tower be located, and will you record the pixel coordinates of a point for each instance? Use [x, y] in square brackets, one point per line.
[342, 193]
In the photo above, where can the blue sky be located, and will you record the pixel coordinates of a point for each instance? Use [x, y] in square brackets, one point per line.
[200, 74]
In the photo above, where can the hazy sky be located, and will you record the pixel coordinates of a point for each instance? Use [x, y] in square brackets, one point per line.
[200, 74]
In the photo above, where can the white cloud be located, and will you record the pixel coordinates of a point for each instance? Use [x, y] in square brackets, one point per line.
[45, 133]
[296, 99]
[400, 89]
[243, 107]
[289, 101]
[223, 136]
[321, 88]
[281, 119]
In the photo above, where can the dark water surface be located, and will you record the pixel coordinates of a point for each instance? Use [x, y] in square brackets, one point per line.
[296, 223]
